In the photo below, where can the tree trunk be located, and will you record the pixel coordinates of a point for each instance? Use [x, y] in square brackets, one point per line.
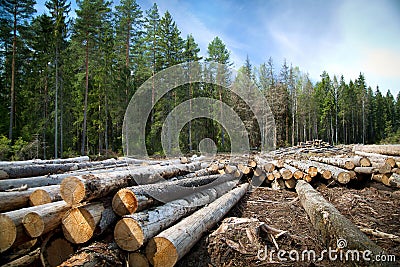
[297, 174]
[172, 244]
[40, 161]
[391, 150]
[75, 189]
[27, 260]
[360, 161]
[19, 199]
[85, 105]
[286, 174]
[305, 166]
[134, 230]
[138, 260]
[136, 198]
[44, 219]
[12, 93]
[81, 223]
[330, 224]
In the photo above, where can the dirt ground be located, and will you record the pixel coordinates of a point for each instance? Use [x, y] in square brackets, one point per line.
[372, 206]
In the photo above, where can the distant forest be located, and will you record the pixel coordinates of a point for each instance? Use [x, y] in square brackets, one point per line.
[65, 84]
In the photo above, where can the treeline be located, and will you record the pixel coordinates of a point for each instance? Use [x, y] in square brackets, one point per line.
[65, 84]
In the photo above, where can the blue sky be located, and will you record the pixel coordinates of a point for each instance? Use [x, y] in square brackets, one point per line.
[340, 36]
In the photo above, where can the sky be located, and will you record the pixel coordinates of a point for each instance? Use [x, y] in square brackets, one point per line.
[342, 37]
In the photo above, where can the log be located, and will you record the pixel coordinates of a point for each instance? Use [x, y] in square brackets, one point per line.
[45, 195]
[41, 161]
[269, 167]
[27, 260]
[79, 224]
[382, 167]
[131, 199]
[366, 170]
[55, 249]
[305, 166]
[42, 220]
[172, 244]
[137, 259]
[394, 180]
[12, 232]
[291, 183]
[330, 223]
[286, 174]
[391, 150]
[338, 174]
[297, 174]
[244, 169]
[19, 199]
[132, 231]
[96, 254]
[76, 189]
[381, 177]
[344, 163]
[360, 161]
[278, 184]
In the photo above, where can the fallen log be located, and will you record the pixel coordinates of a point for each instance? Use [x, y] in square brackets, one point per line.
[138, 260]
[136, 198]
[382, 167]
[394, 180]
[360, 161]
[55, 249]
[291, 183]
[132, 231]
[79, 224]
[381, 177]
[297, 174]
[391, 150]
[19, 199]
[42, 220]
[338, 174]
[286, 174]
[344, 163]
[366, 170]
[172, 244]
[305, 166]
[331, 225]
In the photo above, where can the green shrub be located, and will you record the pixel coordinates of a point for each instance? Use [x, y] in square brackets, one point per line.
[5, 148]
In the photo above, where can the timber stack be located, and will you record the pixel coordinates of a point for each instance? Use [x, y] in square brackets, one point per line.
[147, 212]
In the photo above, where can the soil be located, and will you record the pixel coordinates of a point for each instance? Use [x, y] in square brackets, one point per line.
[373, 206]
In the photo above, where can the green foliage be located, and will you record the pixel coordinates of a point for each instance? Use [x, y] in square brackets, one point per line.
[5, 148]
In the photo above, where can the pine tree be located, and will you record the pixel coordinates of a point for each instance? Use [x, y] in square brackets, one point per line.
[17, 13]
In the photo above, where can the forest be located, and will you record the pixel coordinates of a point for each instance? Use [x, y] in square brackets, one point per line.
[65, 83]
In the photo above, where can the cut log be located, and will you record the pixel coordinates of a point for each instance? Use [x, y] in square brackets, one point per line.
[286, 174]
[12, 232]
[96, 254]
[297, 174]
[136, 259]
[269, 167]
[270, 177]
[278, 163]
[394, 180]
[278, 184]
[229, 169]
[338, 174]
[42, 220]
[331, 224]
[360, 161]
[291, 183]
[305, 166]
[307, 178]
[366, 170]
[244, 169]
[277, 174]
[344, 163]
[45, 195]
[252, 164]
[55, 249]
[76, 189]
[81, 223]
[19, 199]
[136, 198]
[132, 231]
[30, 259]
[391, 150]
[172, 244]
[381, 177]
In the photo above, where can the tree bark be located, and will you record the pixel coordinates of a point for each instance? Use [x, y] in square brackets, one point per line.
[132, 231]
[391, 150]
[76, 189]
[360, 161]
[45, 195]
[172, 244]
[41, 161]
[330, 224]
[136, 198]
[27, 260]
[42, 220]
[305, 166]
[338, 174]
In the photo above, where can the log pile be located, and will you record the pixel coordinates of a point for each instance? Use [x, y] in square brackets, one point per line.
[153, 212]
[64, 221]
